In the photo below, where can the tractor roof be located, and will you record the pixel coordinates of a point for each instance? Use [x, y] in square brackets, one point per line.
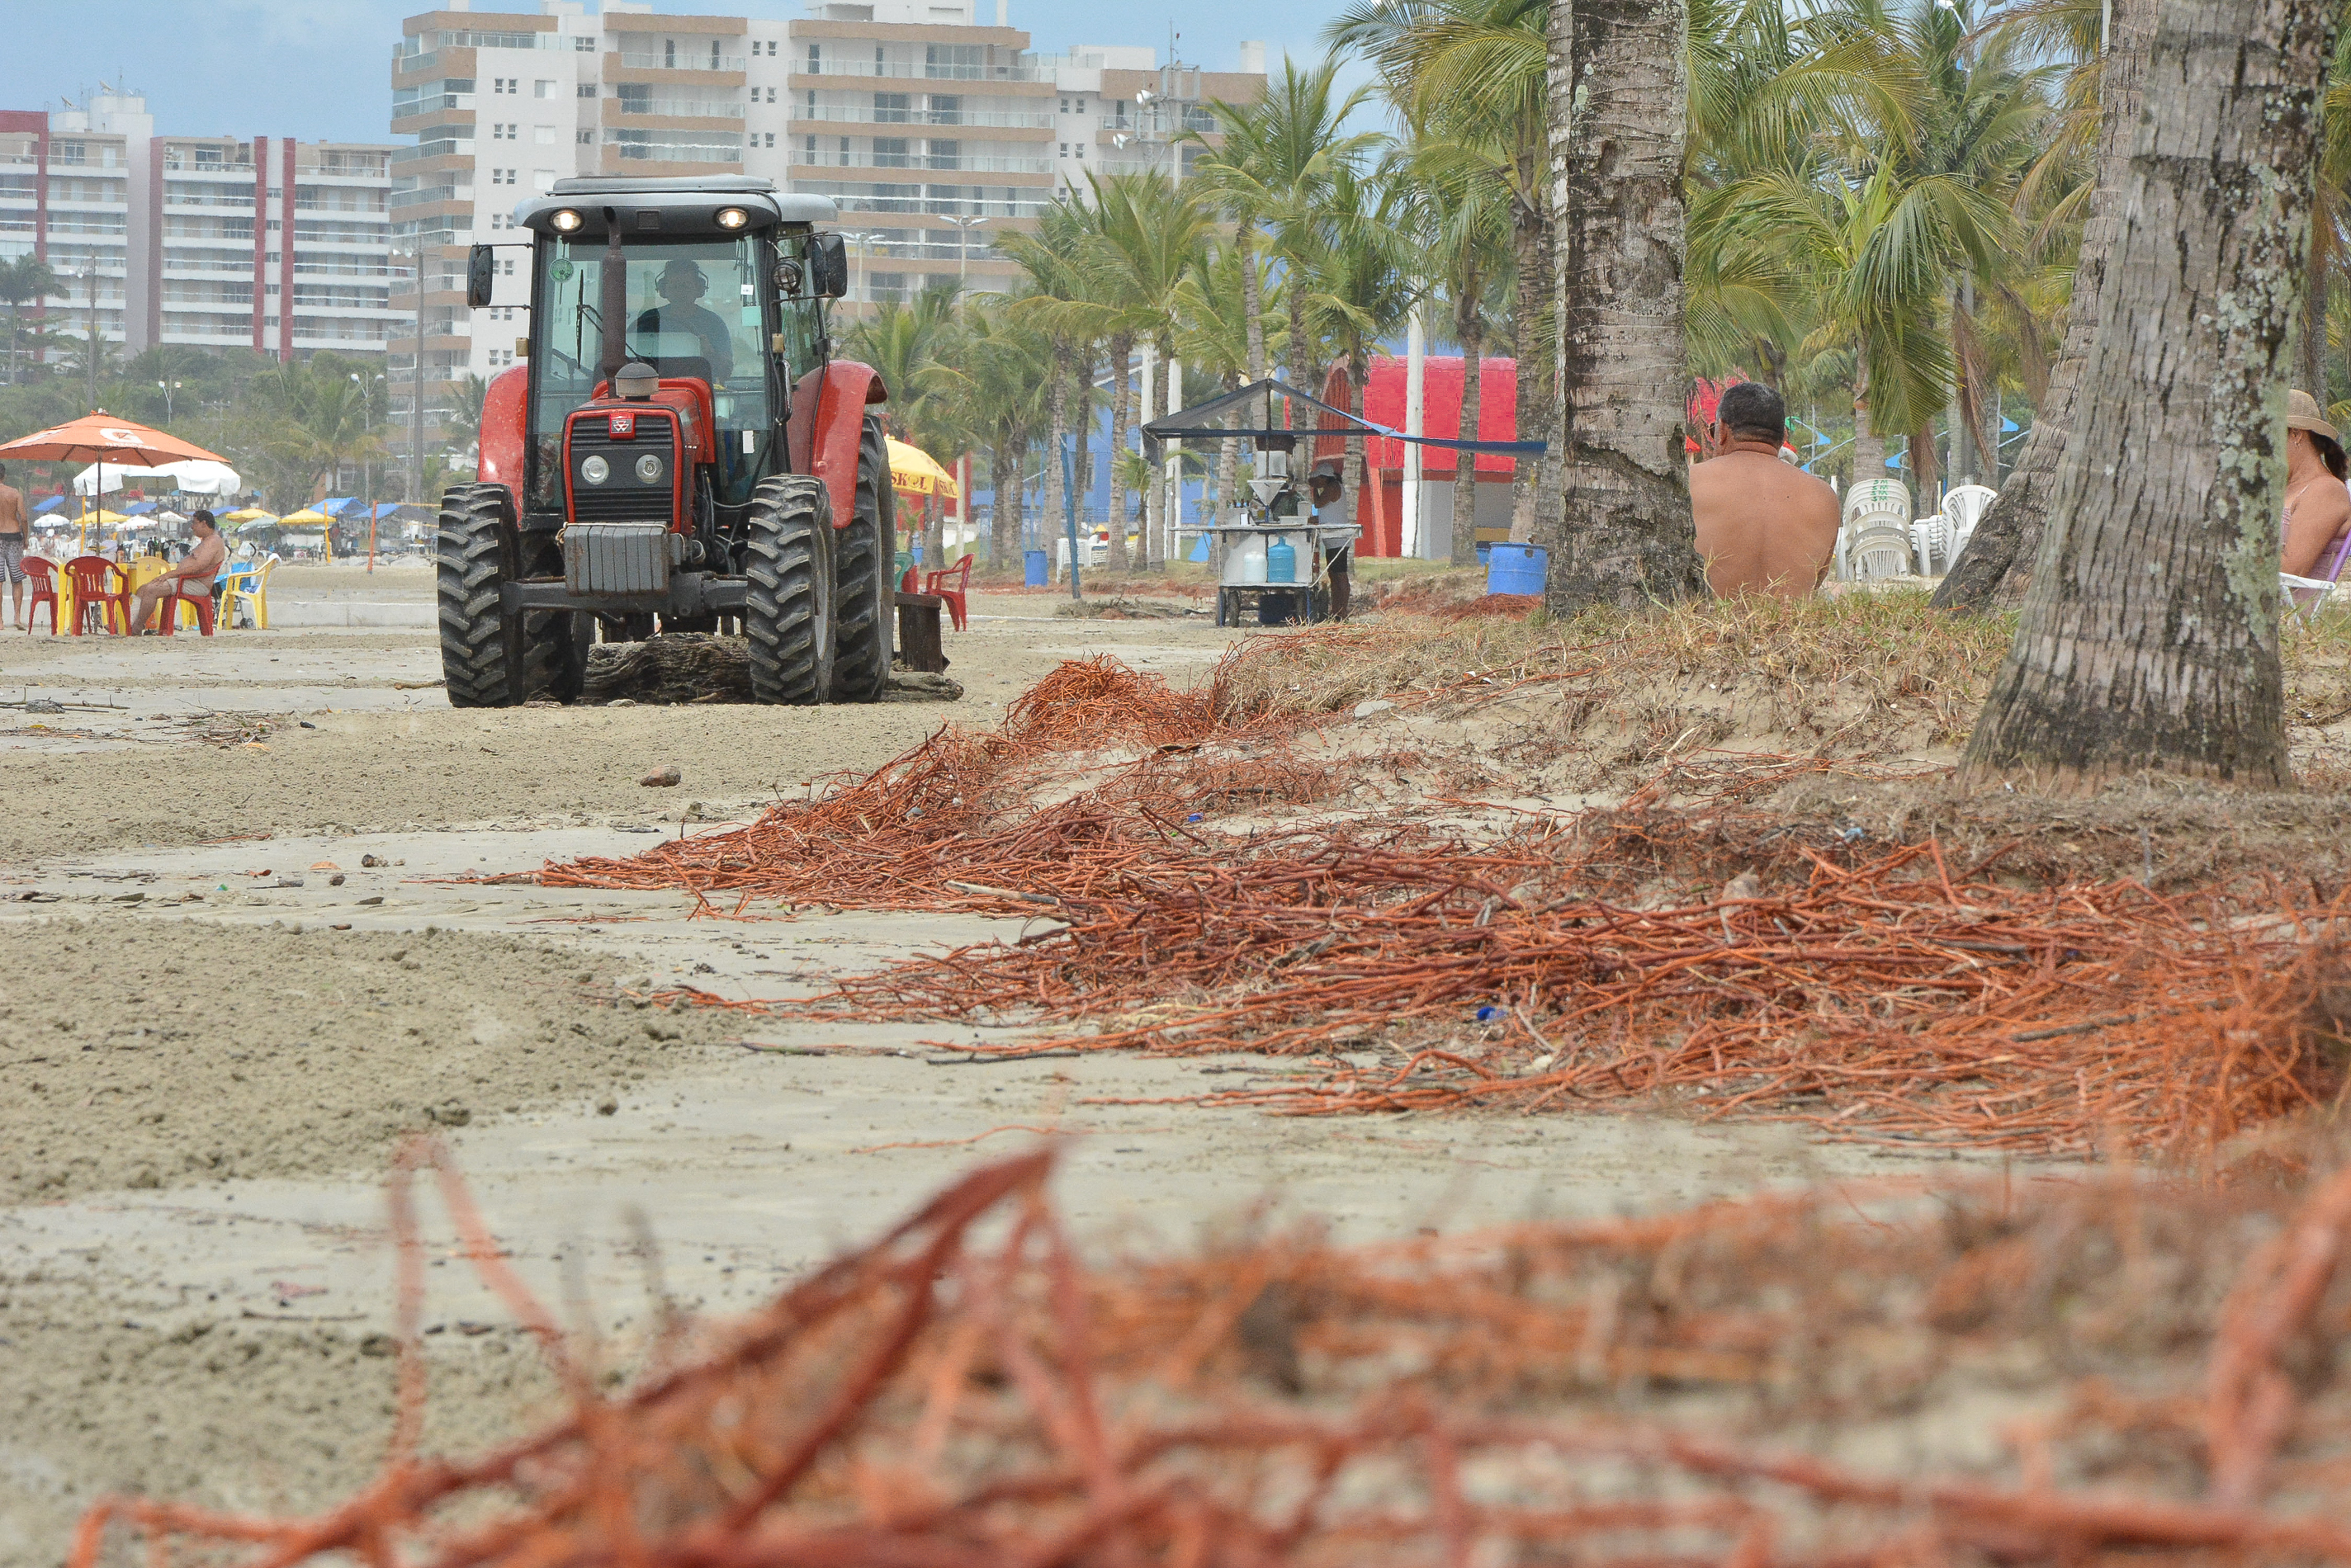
[685, 207]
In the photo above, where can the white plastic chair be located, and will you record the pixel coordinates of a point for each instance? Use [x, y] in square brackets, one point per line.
[1931, 538]
[1963, 508]
[1876, 540]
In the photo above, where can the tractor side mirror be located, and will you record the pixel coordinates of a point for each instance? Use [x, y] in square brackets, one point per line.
[481, 273]
[828, 257]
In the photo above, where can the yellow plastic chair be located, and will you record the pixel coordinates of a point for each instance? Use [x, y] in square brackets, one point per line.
[248, 590]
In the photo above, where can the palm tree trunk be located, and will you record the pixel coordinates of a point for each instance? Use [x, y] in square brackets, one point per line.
[1472, 326]
[1868, 446]
[1003, 530]
[1531, 242]
[1621, 524]
[2149, 638]
[1252, 297]
[1057, 425]
[1154, 485]
[1299, 367]
[1122, 352]
[1925, 472]
[1996, 569]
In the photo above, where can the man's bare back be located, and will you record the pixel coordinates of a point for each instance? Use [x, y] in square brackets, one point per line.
[1763, 527]
[12, 510]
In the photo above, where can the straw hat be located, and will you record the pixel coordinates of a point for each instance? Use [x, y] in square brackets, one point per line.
[2302, 414]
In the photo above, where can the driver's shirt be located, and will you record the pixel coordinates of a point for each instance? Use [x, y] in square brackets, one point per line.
[709, 329]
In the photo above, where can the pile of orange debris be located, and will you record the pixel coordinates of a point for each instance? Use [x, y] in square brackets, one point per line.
[1717, 956]
[2048, 1371]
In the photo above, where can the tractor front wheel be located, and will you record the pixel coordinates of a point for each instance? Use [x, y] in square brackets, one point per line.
[866, 591]
[787, 612]
[490, 658]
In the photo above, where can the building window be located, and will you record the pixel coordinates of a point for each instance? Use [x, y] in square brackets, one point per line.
[890, 152]
[816, 59]
[771, 139]
[587, 89]
[892, 107]
[669, 53]
[714, 55]
[586, 139]
[1081, 149]
[501, 130]
[585, 45]
[542, 88]
[546, 135]
[1065, 149]
[508, 86]
[845, 152]
[809, 146]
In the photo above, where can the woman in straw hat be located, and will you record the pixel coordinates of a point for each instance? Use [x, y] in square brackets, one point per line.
[2317, 503]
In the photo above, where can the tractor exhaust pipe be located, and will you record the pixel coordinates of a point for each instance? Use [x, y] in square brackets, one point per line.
[613, 299]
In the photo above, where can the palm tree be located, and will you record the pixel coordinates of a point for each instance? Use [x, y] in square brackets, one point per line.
[1006, 368]
[1279, 160]
[1149, 235]
[23, 279]
[1360, 293]
[1461, 226]
[1061, 306]
[1467, 78]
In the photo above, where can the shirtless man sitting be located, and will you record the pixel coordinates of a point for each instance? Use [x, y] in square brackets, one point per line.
[192, 578]
[1763, 527]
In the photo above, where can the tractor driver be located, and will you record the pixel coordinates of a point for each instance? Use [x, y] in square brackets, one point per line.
[682, 285]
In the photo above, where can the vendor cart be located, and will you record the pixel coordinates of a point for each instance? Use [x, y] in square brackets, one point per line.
[1282, 572]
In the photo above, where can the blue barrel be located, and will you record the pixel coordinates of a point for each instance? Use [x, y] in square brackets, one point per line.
[1517, 568]
[1038, 570]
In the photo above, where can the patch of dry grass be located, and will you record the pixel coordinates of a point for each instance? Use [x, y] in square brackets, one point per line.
[1875, 650]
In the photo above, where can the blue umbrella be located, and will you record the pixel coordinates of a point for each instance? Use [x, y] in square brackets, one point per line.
[51, 504]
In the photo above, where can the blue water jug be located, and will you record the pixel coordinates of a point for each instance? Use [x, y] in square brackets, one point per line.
[1517, 569]
[1037, 574]
[1280, 561]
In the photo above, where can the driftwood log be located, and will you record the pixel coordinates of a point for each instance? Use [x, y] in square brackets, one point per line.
[697, 666]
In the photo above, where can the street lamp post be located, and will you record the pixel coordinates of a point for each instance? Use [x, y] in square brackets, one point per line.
[167, 388]
[963, 227]
[367, 386]
[864, 242]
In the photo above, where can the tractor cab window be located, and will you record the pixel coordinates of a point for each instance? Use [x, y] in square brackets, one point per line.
[694, 311]
[801, 321]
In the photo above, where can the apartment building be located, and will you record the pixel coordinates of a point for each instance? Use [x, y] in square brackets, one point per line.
[934, 134]
[267, 242]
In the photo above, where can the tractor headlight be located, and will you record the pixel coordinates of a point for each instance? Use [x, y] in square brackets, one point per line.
[649, 470]
[733, 217]
[566, 221]
[595, 471]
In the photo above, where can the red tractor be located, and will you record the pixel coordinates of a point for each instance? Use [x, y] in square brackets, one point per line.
[680, 451]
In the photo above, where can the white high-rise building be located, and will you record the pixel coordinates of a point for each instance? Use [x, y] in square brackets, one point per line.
[933, 132]
[267, 242]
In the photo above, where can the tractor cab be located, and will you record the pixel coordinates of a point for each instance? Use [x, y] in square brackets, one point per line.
[677, 450]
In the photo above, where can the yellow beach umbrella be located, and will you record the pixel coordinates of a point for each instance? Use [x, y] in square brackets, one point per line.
[914, 472]
[245, 515]
[308, 517]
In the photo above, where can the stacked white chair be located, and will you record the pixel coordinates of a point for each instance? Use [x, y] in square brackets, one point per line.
[1963, 508]
[1874, 541]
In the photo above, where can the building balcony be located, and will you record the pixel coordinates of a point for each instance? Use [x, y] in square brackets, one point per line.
[684, 61]
[637, 112]
[847, 64]
[919, 164]
[985, 118]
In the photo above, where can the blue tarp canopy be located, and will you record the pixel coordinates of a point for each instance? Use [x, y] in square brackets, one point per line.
[335, 504]
[51, 504]
[138, 508]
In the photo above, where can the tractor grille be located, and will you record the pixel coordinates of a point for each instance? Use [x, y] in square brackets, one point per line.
[623, 497]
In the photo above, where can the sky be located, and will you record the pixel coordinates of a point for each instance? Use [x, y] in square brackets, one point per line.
[319, 69]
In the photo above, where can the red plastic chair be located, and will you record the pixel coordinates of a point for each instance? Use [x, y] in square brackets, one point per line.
[937, 584]
[200, 601]
[44, 574]
[95, 580]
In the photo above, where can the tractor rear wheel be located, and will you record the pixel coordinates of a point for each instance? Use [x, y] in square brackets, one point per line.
[787, 612]
[865, 591]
